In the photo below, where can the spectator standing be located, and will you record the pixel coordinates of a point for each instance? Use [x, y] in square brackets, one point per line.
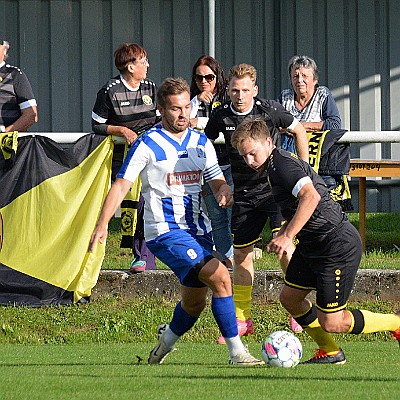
[18, 107]
[172, 159]
[328, 253]
[314, 106]
[126, 106]
[208, 90]
[254, 203]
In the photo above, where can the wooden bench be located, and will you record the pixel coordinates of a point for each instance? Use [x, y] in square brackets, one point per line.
[363, 169]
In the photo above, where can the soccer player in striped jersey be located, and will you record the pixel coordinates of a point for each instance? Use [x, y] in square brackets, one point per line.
[171, 160]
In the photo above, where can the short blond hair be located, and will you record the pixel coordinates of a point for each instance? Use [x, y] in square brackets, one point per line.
[240, 71]
[255, 129]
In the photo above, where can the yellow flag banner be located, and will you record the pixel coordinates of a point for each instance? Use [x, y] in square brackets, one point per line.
[327, 157]
[315, 142]
[49, 204]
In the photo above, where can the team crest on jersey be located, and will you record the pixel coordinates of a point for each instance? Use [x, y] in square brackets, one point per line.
[147, 100]
[216, 104]
[201, 152]
[183, 178]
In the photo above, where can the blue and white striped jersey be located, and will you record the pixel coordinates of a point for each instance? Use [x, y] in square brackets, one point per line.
[172, 170]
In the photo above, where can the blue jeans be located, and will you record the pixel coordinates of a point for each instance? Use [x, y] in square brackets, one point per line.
[220, 217]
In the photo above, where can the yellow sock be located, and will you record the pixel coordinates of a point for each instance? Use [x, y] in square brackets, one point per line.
[242, 300]
[324, 339]
[374, 322]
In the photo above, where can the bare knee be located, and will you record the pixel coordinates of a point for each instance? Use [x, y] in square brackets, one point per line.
[221, 283]
[330, 326]
[334, 323]
[215, 275]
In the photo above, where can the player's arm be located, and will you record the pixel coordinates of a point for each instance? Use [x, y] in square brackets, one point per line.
[222, 192]
[293, 126]
[308, 201]
[300, 137]
[114, 198]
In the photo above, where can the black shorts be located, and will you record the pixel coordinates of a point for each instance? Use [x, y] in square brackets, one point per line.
[249, 219]
[327, 265]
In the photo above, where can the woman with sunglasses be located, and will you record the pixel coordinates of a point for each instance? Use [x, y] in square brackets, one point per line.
[207, 92]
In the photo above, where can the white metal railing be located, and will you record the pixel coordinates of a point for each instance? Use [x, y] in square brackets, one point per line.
[348, 137]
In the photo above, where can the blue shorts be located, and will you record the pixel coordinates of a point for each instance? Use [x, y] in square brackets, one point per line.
[184, 253]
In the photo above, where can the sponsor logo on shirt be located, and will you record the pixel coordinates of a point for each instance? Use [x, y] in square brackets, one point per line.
[125, 103]
[182, 154]
[183, 178]
[230, 128]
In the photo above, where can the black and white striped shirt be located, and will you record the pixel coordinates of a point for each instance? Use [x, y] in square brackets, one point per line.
[118, 104]
[15, 93]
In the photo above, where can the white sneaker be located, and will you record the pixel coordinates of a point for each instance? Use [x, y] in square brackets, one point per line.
[158, 354]
[245, 359]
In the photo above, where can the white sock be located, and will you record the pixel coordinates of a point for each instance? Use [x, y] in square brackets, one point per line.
[169, 338]
[235, 345]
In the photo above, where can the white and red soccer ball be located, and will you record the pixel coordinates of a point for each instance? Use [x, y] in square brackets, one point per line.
[281, 349]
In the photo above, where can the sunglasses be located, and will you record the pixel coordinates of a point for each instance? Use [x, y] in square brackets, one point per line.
[209, 78]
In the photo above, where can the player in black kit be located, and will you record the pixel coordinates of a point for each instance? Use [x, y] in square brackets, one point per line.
[328, 253]
[253, 201]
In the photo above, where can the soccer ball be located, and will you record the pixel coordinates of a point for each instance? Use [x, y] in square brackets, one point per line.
[281, 349]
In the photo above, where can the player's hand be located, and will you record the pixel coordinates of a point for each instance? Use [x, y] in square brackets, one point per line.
[99, 235]
[225, 197]
[205, 97]
[281, 245]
